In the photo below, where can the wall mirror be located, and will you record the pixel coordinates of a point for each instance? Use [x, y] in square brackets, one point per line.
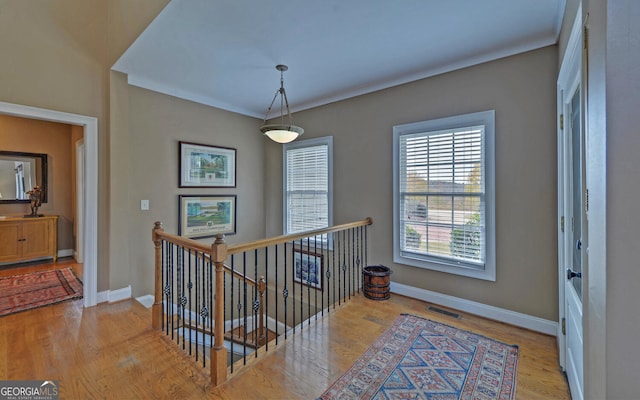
[19, 173]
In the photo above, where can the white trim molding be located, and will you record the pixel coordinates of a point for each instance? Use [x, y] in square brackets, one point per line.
[146, 300]
[499, 314]
[112, 296]
[90, 127]
[65, 253]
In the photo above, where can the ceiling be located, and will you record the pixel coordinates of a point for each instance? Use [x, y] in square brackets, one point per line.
[223, 53]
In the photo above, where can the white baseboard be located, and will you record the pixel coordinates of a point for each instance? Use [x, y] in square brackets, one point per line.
[499, 314]
[112, 296]
[66, 253]
[146, 300]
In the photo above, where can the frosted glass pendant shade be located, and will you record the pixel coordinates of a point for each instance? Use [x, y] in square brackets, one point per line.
[281, 133]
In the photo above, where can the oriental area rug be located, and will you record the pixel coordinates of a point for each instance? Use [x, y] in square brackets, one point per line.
[38, 289]
[421, 359]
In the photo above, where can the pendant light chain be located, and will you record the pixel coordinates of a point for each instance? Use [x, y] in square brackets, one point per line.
[286, 101]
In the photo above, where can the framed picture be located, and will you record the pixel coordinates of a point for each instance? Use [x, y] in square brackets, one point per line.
[308, 268]
[205, 216]
[207, 166]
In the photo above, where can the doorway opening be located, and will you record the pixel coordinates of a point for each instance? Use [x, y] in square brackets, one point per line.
[88, 221]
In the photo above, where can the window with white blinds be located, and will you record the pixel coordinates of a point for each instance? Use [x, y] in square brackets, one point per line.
[308, 184]
[443, 197]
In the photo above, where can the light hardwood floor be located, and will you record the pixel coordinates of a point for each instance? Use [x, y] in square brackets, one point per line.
[111, 352]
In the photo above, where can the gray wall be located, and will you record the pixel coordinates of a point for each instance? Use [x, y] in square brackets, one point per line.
[56, 55]
[522, 91]
[144, 157]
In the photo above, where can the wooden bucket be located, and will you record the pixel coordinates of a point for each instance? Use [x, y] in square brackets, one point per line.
[375, 282]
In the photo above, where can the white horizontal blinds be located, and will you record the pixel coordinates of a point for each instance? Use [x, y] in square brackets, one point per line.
[442, 194]
[307, 188]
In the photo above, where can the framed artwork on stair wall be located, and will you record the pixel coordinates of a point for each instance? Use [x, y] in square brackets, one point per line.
[206, 215]
[204, 166]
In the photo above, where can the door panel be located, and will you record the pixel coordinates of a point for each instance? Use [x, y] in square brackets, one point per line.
[574, 344]
[576, 192]
[575, 245]
[572, 232]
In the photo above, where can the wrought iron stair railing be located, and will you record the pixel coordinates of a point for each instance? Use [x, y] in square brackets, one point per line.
[226, 305]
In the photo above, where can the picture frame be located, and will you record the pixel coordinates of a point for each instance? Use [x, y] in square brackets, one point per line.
[203, 166]
[308, 267]
[203, 216]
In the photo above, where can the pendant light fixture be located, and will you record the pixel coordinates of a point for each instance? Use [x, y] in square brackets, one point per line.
[282, 132]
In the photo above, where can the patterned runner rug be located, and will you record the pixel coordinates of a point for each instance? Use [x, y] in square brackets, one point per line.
[37, 289]
[421, 359]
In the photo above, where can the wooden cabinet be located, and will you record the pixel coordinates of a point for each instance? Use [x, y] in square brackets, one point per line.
[23, 239]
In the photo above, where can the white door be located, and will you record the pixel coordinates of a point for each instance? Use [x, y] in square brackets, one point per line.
[574, 229]
[79, 256]
[571, 208]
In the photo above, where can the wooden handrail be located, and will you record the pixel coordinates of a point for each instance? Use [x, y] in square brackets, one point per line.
[239, 248]
[257, 244]
[183, 241]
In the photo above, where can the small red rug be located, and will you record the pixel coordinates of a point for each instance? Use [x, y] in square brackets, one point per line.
[37, 289]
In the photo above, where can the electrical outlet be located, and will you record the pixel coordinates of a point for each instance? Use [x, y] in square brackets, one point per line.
[144, 204]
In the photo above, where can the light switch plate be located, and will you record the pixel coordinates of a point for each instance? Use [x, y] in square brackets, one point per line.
[144, 204]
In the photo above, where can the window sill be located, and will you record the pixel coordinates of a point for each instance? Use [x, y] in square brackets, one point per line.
[406, 258]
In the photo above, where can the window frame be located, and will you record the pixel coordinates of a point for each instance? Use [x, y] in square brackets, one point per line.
[326, 140]
[457, 267]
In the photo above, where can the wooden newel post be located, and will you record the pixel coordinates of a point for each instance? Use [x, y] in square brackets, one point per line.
[218, 351]
[156, 310]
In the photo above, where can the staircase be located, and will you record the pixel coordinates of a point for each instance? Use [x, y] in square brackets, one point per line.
[229, 305]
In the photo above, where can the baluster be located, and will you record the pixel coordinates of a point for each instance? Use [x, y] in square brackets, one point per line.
[266, 297]
[244, 286]
[197, 308]
[285, 291]
[174, 262]
[301, 289]
[333, 267]
[359, 259]
[338, 234]
[166, 287]
[183, 301]
[206, 308]
[293, 283]
[165, 246]
[344, 266]
[308, 280]
[232, 279]
[348, 262]
[322, 271]
[276, 293]
[211, 301]
[262, 338]
[353, 260]
[318, 277]
[255, 304]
